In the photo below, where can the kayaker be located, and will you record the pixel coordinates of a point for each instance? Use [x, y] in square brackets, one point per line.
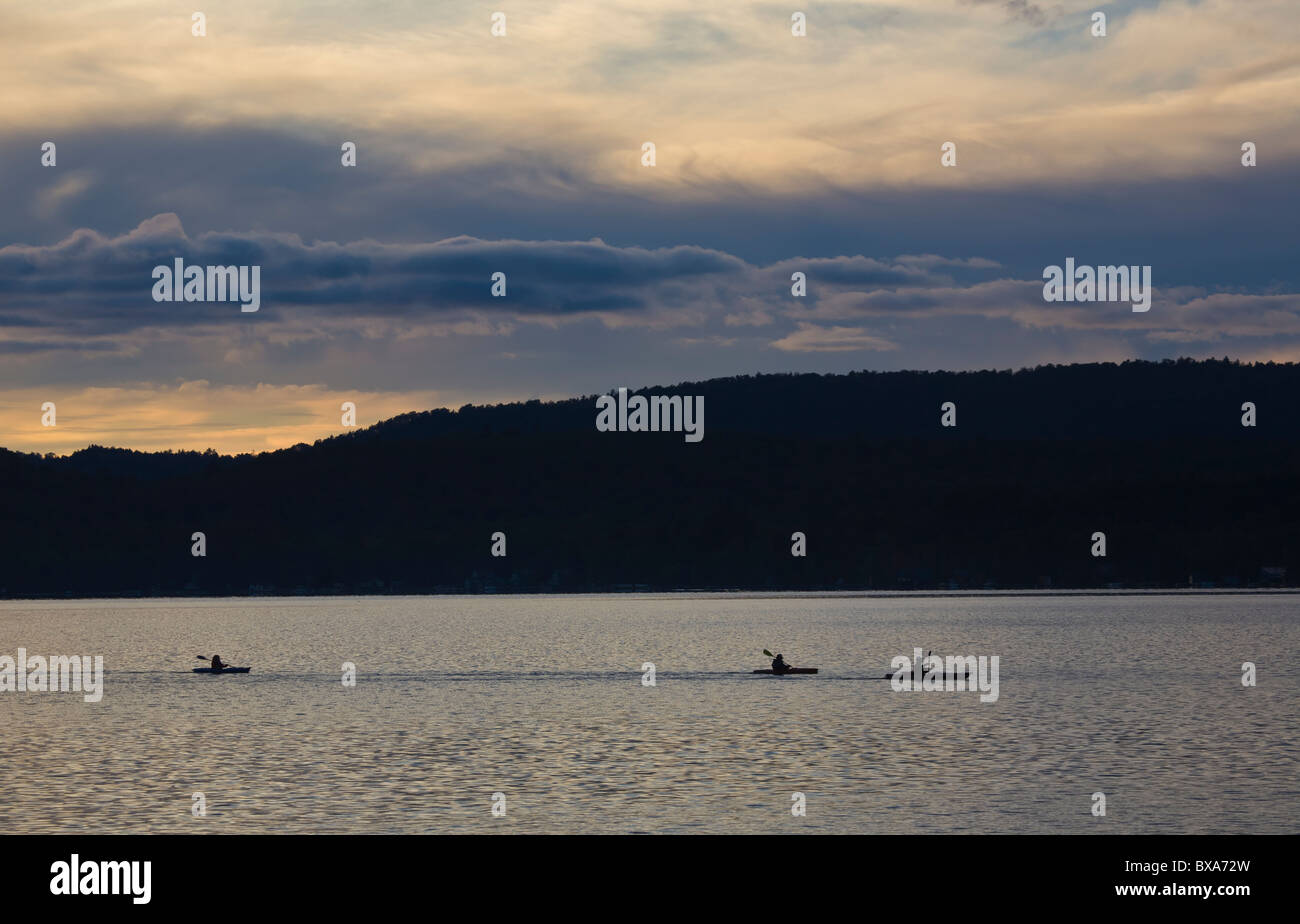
[217, 665]
[778, 664]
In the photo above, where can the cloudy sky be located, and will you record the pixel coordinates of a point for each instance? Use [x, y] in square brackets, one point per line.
[522, 154]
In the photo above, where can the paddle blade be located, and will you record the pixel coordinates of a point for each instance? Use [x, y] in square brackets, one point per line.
[768, 653]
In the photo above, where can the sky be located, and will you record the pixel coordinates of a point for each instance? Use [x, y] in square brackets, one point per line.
[522, 154]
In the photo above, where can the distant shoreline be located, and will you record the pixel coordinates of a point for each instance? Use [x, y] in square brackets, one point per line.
[738, 594]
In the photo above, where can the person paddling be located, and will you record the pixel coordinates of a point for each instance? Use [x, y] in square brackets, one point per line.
[217, 664]
[780, 667]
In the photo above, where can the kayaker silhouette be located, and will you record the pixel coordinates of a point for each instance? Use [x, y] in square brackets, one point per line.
[778, 664]
[217, 664]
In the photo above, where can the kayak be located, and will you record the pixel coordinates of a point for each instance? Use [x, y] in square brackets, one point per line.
[791, 670]
[224, 670]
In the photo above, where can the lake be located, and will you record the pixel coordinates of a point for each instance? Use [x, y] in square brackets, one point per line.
[540, 698]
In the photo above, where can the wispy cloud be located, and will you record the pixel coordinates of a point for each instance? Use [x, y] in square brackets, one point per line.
[727, 94]
[809, 338]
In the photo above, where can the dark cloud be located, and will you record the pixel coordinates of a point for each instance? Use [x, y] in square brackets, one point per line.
[90, 277]
[288, 182]
[1021, 10]
[315, 294]
[384, 281]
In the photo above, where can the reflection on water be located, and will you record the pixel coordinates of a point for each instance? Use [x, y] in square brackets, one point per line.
[541, 698]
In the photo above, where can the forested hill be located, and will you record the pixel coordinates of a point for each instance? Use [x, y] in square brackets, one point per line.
[1152, 454]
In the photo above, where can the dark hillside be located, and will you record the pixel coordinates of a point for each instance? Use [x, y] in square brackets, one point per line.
[1152, 454]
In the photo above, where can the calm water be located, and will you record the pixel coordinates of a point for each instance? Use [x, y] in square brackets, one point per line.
[541, 698]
